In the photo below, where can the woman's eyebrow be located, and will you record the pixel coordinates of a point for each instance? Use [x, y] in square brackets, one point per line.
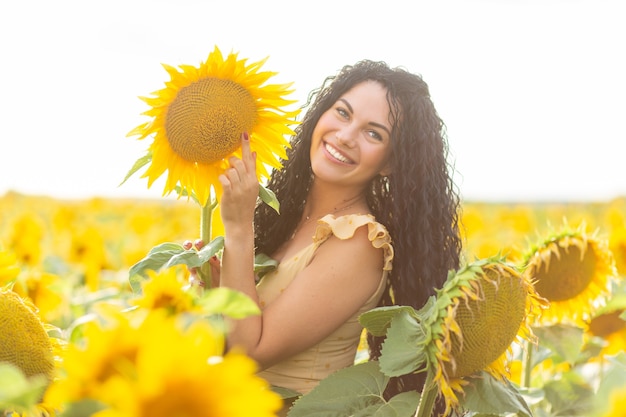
[347, 104]
[383, 127]
[380, 126]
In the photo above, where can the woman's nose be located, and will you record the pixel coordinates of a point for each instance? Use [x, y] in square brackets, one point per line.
[346, 137]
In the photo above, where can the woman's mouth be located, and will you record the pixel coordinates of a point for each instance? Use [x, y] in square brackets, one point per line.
[336, 154]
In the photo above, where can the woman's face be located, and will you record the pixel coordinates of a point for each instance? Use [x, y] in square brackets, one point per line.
[351, 142]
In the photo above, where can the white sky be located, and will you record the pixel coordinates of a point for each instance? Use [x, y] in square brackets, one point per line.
[533, 92]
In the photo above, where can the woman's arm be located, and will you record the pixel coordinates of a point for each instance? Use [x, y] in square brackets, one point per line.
[240, 189]
[323, 296]
[342, 276]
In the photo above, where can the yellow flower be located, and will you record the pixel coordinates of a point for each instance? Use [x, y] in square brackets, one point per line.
[26, 347]
[607, 324]
[23, 337]
[573, 271]
[42, 289]
[612, 329]
[88, 250]
[8, 268]
[198, 119]
[107, 348]
[164, 290]
[187, 385]
[27, 235]
[155, 366]
[482, 310]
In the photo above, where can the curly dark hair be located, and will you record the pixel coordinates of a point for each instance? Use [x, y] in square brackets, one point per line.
[418, 202]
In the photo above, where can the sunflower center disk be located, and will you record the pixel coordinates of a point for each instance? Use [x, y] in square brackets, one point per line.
[205, 121]
[489, 325]
[607, 323]
[25, 342]
[567, 275]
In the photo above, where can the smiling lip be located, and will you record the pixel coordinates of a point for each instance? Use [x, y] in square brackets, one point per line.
[336, 155]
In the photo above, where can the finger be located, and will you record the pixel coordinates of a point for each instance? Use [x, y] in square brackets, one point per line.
[248, 157]
[187, 244]
[198, 243]
[224, 181]
[233, 173]
[214, 261]
[245, 146]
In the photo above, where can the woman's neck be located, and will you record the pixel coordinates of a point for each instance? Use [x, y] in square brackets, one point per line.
[322, 202]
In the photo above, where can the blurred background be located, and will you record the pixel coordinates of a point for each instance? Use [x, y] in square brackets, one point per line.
[532, 92]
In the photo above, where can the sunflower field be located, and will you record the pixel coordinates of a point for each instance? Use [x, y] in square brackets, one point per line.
[66, 263]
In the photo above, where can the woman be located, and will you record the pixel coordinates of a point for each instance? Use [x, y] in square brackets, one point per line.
[367, 170]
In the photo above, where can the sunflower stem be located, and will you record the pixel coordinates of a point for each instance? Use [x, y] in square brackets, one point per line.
[429, 395]
[527, 364]
[206, 214]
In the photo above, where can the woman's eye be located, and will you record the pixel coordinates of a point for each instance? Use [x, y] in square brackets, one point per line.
[342, 112]
[374, 134]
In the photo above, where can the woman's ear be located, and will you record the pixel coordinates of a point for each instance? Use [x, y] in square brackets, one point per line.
[386, 171]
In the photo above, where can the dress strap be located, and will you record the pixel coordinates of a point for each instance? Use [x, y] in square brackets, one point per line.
[344, 227]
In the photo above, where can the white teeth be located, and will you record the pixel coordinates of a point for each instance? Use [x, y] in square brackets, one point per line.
[336, 154]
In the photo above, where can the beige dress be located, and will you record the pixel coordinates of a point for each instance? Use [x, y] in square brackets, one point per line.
[303, 371]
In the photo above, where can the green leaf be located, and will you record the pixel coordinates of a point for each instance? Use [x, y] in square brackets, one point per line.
[83, 408]
[264, 264]
[285, 392]
[613, 378]
[403, 404]
[351, 392]
[193, 258]
[228, 302]
[167, 255]
[75, 329]
[531, 395]
[17, 392]
[564, 340]
[156, 258]
[269, 198]
[569, 395]
[139, 163]
[377, 320]
[486, 395]
[403, 350]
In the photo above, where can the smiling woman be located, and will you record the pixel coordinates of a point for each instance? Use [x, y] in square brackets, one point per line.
[368, 163]
[352, 138]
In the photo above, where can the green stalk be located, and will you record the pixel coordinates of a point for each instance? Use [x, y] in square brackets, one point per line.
[429, 395]
[527, 364]
[204, 272]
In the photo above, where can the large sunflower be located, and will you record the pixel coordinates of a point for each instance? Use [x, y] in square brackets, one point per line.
[198, 119]
[480, 312]
[156, 365]
[573, 270]
[23, 336]
[468, 327]
[26, 347]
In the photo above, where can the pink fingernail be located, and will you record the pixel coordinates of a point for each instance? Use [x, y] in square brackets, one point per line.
[245, 136]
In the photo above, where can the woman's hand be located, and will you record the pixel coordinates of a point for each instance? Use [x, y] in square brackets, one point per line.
[214, 262]
[240, 187]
